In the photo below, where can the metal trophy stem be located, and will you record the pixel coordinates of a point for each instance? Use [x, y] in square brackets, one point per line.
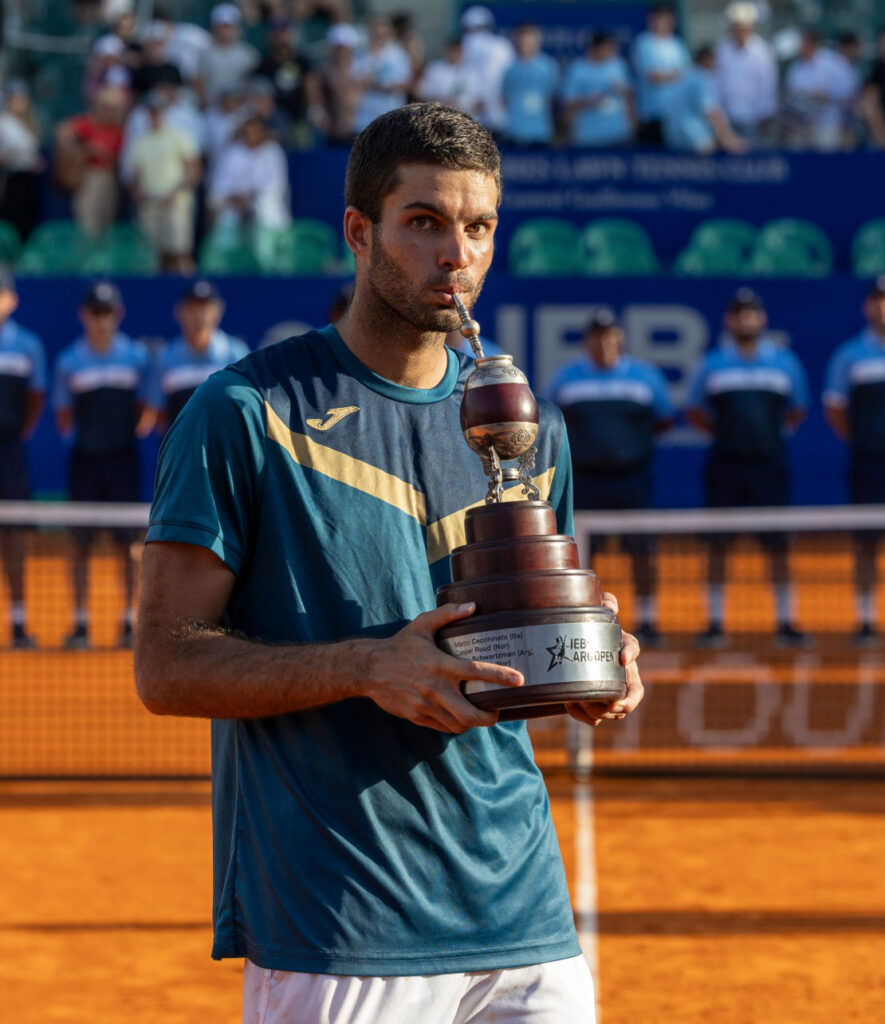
[536, 610]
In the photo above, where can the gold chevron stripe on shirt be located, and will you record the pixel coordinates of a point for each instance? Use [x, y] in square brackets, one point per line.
[443, 535]
[346, 469]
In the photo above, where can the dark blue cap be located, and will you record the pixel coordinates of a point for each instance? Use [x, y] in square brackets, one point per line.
[745, 298]
[201, 290]
[878, 286]
[603, 318]
[102, 296]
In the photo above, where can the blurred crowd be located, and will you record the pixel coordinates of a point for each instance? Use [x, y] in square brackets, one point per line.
[185, 128]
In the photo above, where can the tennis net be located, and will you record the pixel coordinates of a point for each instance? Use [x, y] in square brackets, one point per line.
[748, 700]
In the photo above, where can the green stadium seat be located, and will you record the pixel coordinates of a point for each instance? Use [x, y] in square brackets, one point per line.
[122, 249]
[725, 262]
[307, 246]
[224, 253]
[10, 242]
[544, 246]
[55, 247]
[868, 249]
[791, 247]
[612, 246]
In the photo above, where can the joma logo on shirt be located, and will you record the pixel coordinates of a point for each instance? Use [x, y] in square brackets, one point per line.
[332, 417]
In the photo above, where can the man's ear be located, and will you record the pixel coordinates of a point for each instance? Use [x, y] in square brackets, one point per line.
[357, 231]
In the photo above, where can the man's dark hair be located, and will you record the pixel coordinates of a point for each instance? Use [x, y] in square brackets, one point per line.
[418, 133]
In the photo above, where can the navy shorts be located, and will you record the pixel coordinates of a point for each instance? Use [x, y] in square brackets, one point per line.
[738, 483]
[104, 478]
[14, 482]
[608, 492]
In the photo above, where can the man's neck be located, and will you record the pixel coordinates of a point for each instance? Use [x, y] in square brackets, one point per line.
[391, 347]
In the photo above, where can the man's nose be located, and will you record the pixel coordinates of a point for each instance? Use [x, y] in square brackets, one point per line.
[454, 251]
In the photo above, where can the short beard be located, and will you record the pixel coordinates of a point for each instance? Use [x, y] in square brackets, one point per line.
[390, 291]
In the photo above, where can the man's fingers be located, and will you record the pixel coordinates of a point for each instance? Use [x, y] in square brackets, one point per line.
[610, 601]
[629, 648]
[485, 672]
[436, 618]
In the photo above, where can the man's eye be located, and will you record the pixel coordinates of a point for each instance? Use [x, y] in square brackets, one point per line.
[421, 222]
[478, 229]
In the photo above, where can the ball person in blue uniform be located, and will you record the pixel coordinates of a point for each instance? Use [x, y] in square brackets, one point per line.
[383, 849]
[195, 354]
[854, 407]
[100, 396]
[22, 395]
[614, 406]
[748, 394]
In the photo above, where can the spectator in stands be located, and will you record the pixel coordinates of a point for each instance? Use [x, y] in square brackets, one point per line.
[334, 114]
[528, 89]
[165, 169]
[746, 74]
[817, 92]
[180, 112]
[449, 80]
[487, 55]
[100, 394]
[382, 73]
[614, 407]
[748, 394]
[854, 407]
[410, 39]
[21, 161]
[22, 394]
[86, 156]
[660, 60]
[693, 119]
[250, 184]
[200, 350]
[227, 62]
[874, 96]
[259, 98]
[108, 67]
[155, 68]
[597, 96]
[290, 74]
[184, 43]
[848, 57]
[222, 121]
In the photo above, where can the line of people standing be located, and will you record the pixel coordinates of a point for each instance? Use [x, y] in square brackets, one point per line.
[107, 393]
[747, 395]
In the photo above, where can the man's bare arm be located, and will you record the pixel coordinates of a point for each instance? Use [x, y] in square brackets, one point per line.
[186, 664]
[837, 418]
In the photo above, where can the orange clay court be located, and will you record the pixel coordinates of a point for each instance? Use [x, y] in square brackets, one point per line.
[757, 899]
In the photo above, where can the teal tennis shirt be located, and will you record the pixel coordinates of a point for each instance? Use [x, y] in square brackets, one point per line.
[346, 840]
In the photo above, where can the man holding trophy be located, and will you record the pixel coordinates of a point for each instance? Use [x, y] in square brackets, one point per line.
[383, 845]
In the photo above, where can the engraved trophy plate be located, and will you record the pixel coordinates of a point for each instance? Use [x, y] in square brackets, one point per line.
[537, 611]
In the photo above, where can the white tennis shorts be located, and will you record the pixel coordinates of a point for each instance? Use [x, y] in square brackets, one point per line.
[560, 992]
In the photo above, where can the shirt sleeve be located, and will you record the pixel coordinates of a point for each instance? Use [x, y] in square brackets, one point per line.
[210, 470]
[662, 407]
[61, 395]
[155, 397]
[836, 386]
[38, 364]
[799, 397]
[697, 394]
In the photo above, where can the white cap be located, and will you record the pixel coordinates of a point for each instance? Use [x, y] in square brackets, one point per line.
[343, 34]
[742, 12]
[108, 46]
[226, 14]
[477, 17]
[156, 32]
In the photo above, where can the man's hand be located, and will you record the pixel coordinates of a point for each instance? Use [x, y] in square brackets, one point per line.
[594, 712]
[410, 677]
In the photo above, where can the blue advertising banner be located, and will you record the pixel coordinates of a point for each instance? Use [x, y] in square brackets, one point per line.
[667, 193]
[671, 322]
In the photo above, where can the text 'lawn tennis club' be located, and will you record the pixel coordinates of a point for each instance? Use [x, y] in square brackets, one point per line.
[537, 611]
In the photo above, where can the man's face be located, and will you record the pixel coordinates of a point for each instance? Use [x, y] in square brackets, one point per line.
[100, 325]
[745, 323]
[435, 236]
[198, 318]
[226, 34]
[661, 23]
[8, 304]
[874, 308]
[528, 42]
[741, 32]
[604, 345]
